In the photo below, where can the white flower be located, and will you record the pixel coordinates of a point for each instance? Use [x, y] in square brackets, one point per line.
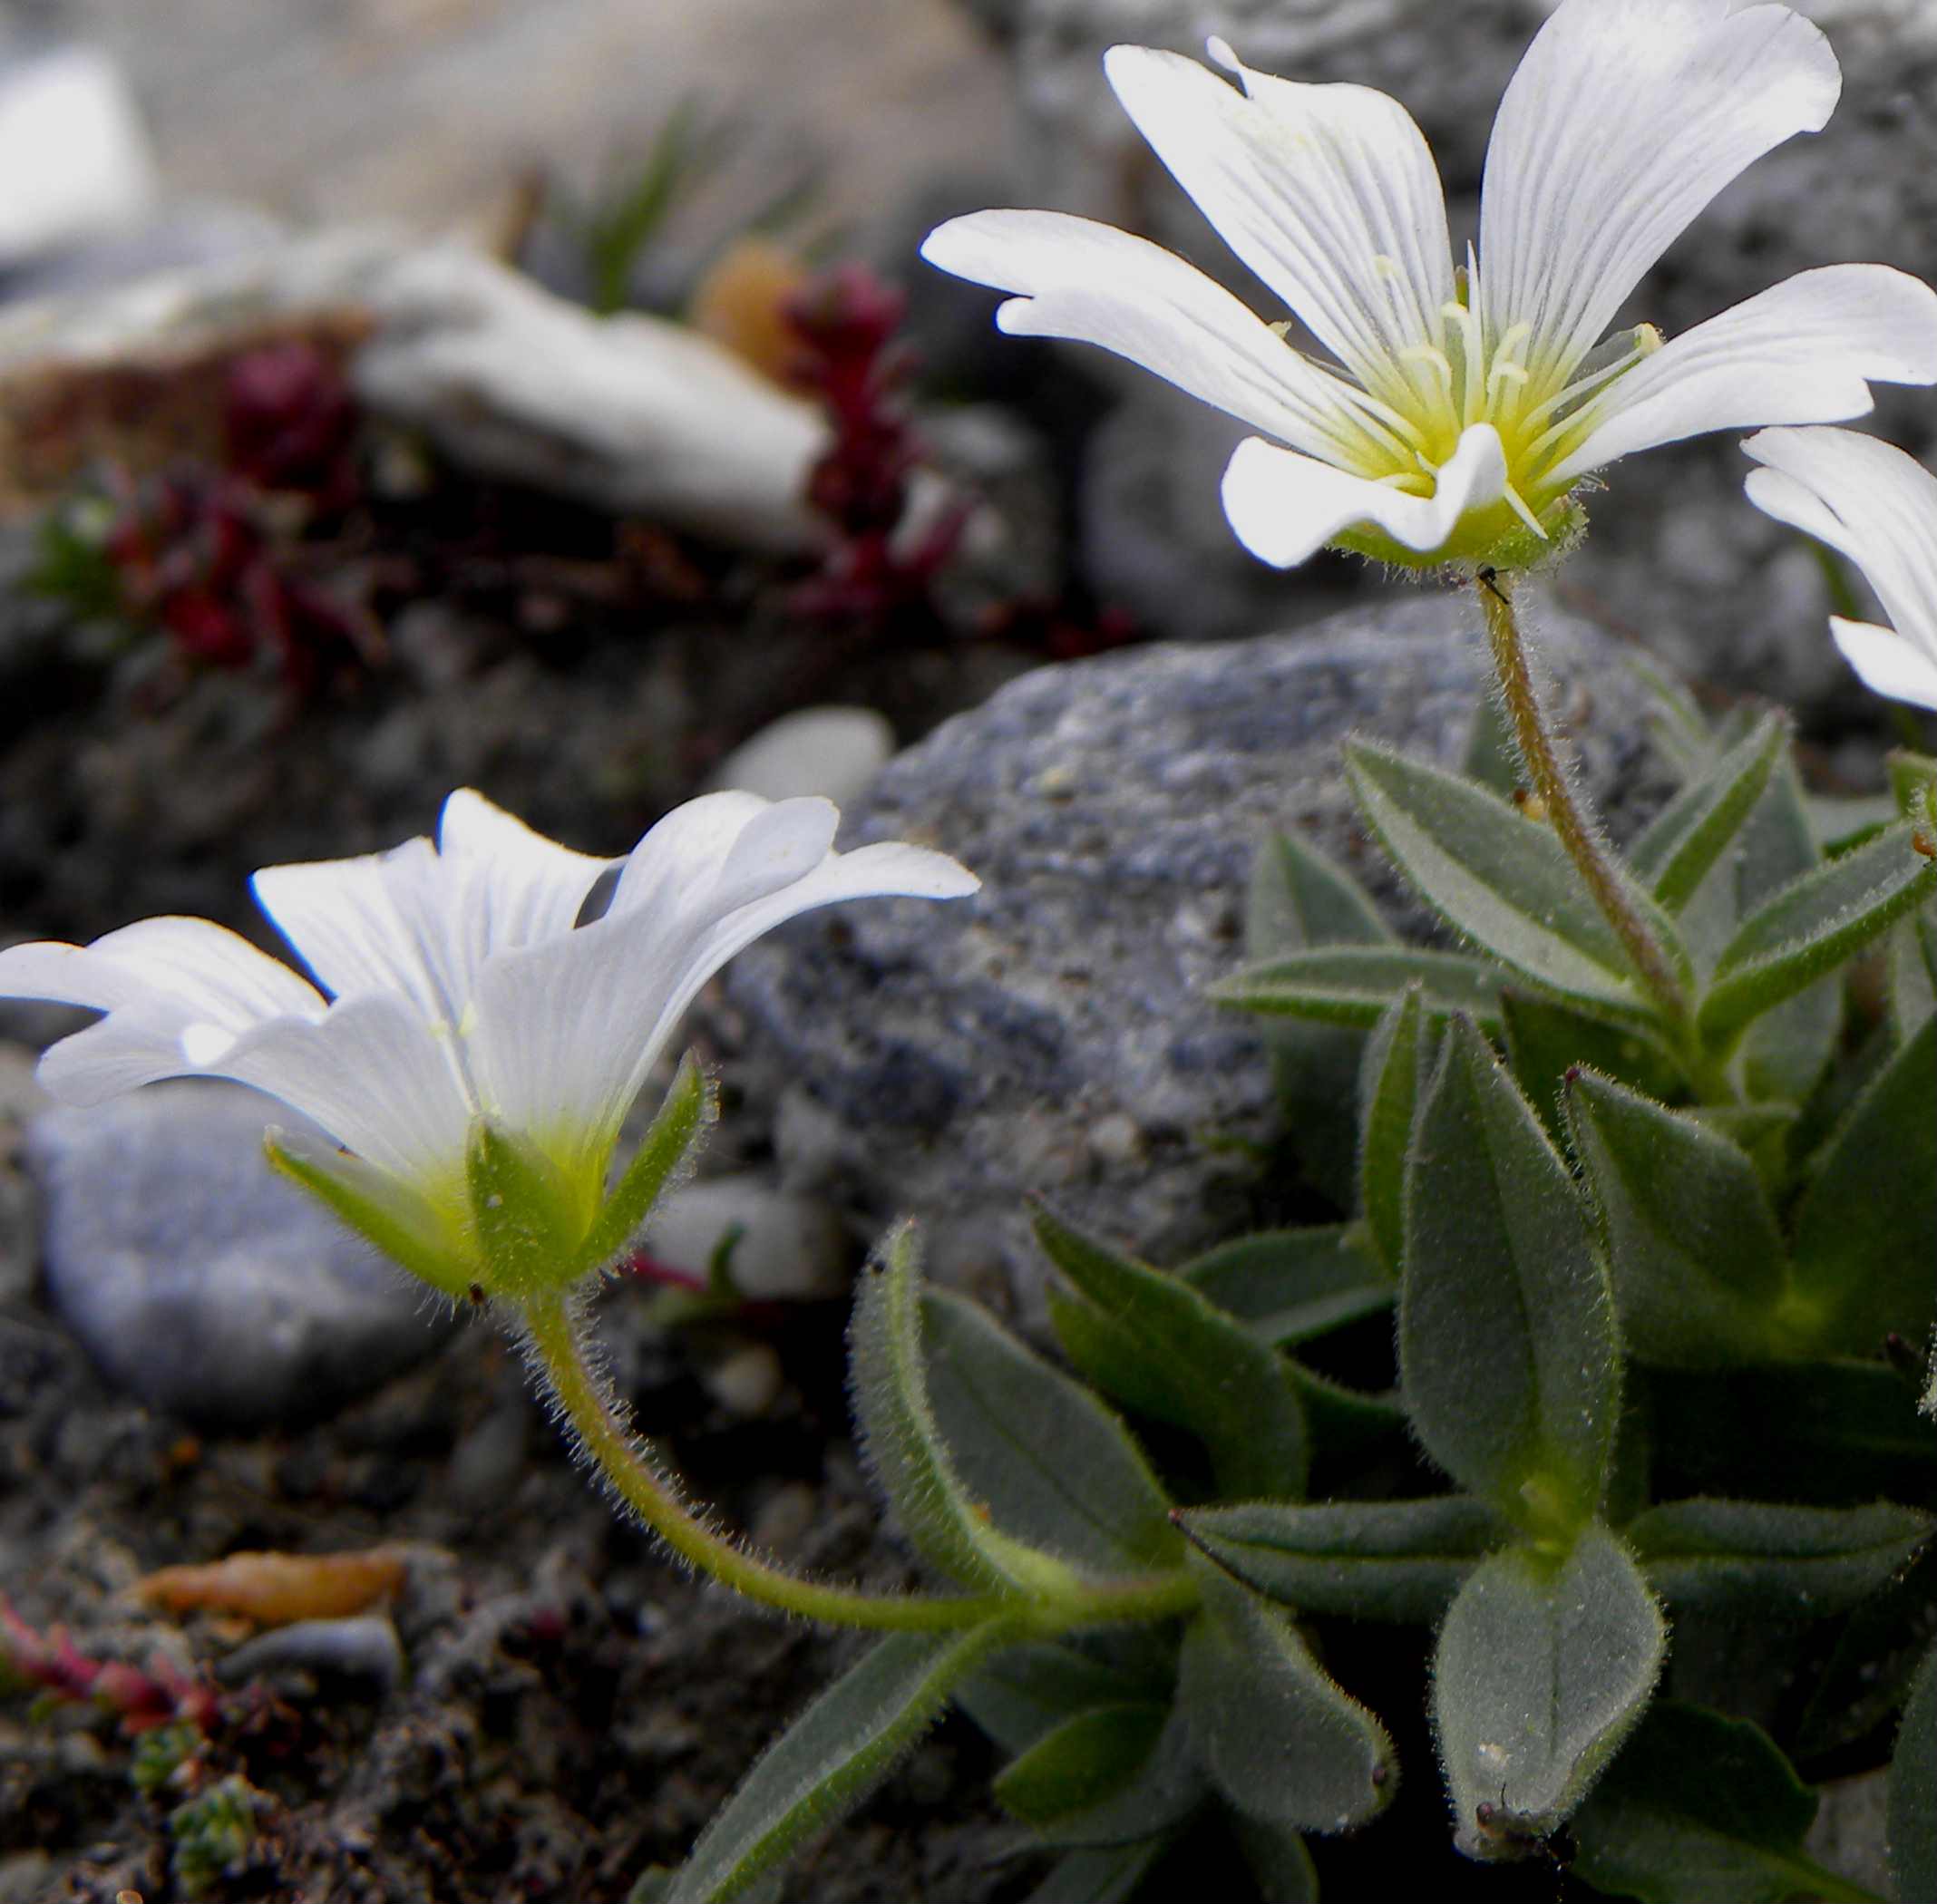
[1464, 407]
[1877, 506]
[464, 999]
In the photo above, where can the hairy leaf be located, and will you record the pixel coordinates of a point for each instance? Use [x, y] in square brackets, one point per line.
[1691, 833]
[1389, 1090]
[1088, 1759]
[1352, 985]
[1914, 1791]
[1290, 1285]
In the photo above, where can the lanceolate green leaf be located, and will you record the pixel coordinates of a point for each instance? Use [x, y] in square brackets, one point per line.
[1051, 1465]
[1692, 1245]
[1497, 876]
[1352, 985]
[1300, 899]
[1398, 1561]
[1159, 1347]
[903, 1443]
[1699, 1806]
[1290, 1285]
[1280, 1740]
[1866, 1229]
[1164, 1792]
[1914, 1791]
[1024, 1692]
[1546, 1039]
[1757, 1560]
[1813, 925]
[1686, 838]
[1389, 1090]
[1507, 1343]
[1544, 1667]
[1088, 1759]
[830, 1758]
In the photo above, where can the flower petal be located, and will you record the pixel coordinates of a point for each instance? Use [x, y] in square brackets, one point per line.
[420, 921]
[569, 1030]
[1329, 193]
[177, 993]
[1805, 351]
[1285, 507]
[1877, 506]
[1091, 283]
[1624, 120]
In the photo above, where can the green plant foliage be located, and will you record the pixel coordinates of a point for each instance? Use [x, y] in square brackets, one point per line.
[1390, 1085]
[1282, 1742]
[1759, 1560]
[1374, 1559]
[664, 1155]
[1866, 1228]
[1500, 877]
[1507, 1345]
[1914, 1791]
[1157, 1346]
[1052, 1466]
[1085, 1761]
[1699, 1808]
[1912, 971]
[1546, 1039]
[1109, 1876]
[1291, 1286]
[830, 1758]
[1024, 1692]
[1544, 1665]
[1696, 1258]
[1277, 1860]
[1352, 986]
[1689, 837]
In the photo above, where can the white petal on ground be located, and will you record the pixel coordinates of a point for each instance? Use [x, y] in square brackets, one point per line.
[1285, 507]
[1624, 120]
[178, 993]
[419, 919]
[1091, 283]
[1329, 193]
[1877, 506]
[569, 1030]
[1804, 352]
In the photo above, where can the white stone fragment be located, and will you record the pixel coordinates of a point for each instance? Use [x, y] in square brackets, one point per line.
[790, 1248]
[834, 752]
[72, 151]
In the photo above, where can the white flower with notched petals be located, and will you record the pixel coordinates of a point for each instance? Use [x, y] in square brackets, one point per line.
[462, 998]
[1873, 503]
[1464, 408]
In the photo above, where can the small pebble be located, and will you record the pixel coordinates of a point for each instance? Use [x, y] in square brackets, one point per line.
[746, 1381]
[364, 1648]
[790, 1248]
[834, 752]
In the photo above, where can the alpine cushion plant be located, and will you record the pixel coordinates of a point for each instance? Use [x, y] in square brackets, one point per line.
[1464, 408]
[1870, 502]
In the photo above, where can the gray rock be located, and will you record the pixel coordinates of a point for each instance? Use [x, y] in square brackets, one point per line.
[364, 1648]
[1051, 1034]
[1676, 551]
[198, 1278]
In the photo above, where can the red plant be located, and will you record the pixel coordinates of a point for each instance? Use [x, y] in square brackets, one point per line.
[142, 1698]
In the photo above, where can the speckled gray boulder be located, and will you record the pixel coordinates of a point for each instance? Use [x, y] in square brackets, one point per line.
[1050, 1035]
[195, 1276]
[1675, 552]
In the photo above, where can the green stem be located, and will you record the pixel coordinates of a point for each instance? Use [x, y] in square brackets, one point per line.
[555, 1339]
[1575, 831]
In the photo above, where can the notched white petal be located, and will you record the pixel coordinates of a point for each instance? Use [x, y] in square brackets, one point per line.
[1285, 507]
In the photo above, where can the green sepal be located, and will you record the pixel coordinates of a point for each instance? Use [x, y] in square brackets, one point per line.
[665, 1152]
[1055, 1469]
[1292, 1286]
[1815, 925]
[903, 1445]
[1913, 1789]
[1692, 1245]
[400, 1224]
[1351, 986]
[1157, 1346]
[1502, 878]
[836, 1752]
[1700, 1806]
[1866, 1236]
[1389, 1089]
[527, 1221]
[1507, 1346]
[1756, 1560]
[1280, 1740]
[1086, 1760]
[1544, 1667]
[1683, 842]
[1398, 1561]
[1300, 901]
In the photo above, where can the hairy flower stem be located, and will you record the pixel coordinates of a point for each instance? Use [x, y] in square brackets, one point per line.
[556, 1338]
[1570, 824]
